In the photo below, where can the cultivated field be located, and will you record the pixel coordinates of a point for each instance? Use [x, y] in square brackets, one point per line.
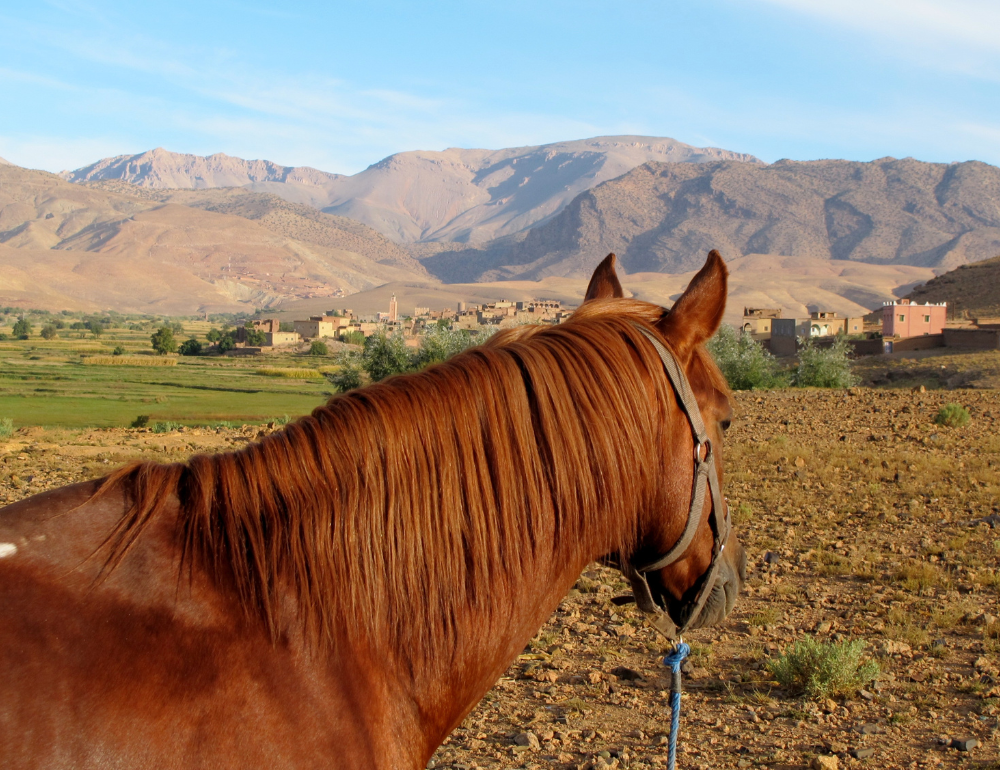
[74, 381]
[862, 518]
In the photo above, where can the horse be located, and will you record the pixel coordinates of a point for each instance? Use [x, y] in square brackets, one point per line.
[345, 590]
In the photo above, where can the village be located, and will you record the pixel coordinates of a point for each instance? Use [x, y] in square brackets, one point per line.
[345, 325]
[898, 326]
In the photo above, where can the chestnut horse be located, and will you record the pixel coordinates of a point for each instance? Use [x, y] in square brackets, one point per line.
[346, 590]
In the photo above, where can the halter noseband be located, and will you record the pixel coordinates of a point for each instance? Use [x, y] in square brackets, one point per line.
[705, 476]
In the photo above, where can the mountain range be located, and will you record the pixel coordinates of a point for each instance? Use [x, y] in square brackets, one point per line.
[663, 217]
[183, 233]
[463, 195]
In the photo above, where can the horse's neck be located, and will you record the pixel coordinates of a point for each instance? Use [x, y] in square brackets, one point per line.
[486, 643]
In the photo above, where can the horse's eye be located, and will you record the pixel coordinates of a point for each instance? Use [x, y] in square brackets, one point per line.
[725, 424]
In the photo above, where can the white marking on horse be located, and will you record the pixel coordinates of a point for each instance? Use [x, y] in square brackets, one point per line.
[7, 549]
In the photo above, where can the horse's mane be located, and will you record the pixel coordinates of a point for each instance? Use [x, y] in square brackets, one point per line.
[410, 497]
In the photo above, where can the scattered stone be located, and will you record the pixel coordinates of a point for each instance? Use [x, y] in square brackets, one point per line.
[823, 763]
[527, 739]
[626, 674]
[964, 744]
[863, 753]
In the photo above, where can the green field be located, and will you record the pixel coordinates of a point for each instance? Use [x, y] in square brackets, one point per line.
[45, 382]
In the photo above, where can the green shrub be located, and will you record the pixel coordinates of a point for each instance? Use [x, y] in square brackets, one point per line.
[118, 351]
[190, 347]
[353, 338]
[348, 374]
[165, 427]
[953, 416]
[743, 361]
[227, 342]
[214, 335]
[441, 343]
[255, 337]
[6, 427]
[826, 367]
[140, 422]
[319, 348]
[824, 669]
[48, 332]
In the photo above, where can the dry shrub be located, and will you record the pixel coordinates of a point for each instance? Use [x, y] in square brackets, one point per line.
[128, 361]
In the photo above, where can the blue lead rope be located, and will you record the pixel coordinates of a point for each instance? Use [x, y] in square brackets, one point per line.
[674, 660]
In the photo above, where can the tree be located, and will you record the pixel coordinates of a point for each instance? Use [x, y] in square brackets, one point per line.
[95, 328]
[743, 361]
[827, 367]
[190, 347]
[22, 329]
[163, 340]
[385, 355]
[255, 336]
[48, 332]
[226, 342]
[348, 375]
[440, 343]
[319, 348]
[214, 335]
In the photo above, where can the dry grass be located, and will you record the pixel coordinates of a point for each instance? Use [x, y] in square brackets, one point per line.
[289, 373]
[919, 576]
[128, 361]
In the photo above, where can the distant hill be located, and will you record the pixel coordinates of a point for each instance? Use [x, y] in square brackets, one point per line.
[294, 220]
[465, 195]
[970, 290]
[5, 162]
[796, 284]
[67, 246]
[663, 217]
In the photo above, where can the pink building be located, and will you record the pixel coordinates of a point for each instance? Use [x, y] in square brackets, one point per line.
[902, 318]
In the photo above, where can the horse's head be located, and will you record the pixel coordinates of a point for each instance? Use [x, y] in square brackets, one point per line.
[687, 567]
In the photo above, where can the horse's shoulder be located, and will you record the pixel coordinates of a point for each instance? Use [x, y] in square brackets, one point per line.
[63, 527]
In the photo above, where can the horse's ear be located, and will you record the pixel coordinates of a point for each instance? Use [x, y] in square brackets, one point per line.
[696, 316]
[604, 283]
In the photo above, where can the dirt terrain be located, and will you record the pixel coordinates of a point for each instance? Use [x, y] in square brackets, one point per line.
[862, 520]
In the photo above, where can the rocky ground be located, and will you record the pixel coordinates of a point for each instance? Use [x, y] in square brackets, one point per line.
[863, 519]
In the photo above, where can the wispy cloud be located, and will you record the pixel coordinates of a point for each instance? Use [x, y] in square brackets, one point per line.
[956, 35]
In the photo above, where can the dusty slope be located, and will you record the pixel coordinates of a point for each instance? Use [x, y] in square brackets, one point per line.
[294, 220]
[663, 217]
[5, 162]
[970, 290]
[456, 194]
[794, 283]
[88, 247]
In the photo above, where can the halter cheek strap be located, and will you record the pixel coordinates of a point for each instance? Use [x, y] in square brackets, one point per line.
[705, 479]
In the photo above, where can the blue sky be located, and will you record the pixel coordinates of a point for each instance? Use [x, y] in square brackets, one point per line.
[340, 85]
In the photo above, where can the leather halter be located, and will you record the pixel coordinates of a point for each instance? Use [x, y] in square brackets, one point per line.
[705, 476]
